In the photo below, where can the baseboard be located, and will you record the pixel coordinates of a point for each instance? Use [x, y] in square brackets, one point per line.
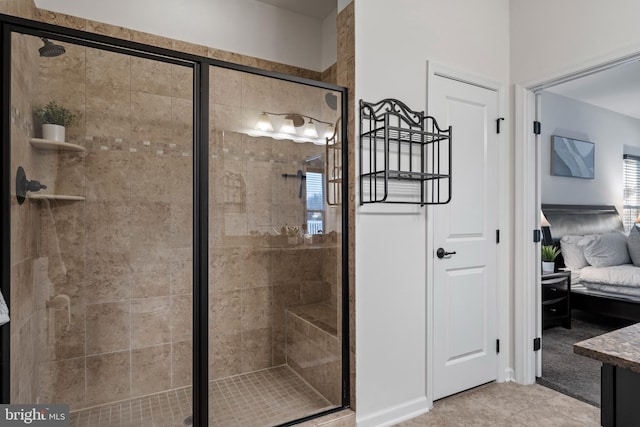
[395, 414]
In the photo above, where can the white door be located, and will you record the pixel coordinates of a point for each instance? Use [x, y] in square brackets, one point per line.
[464, 283]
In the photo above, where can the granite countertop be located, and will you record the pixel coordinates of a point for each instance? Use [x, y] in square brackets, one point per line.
[620, 348]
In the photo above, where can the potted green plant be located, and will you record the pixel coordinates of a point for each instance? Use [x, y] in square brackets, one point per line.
[54, 118]
[549, 254]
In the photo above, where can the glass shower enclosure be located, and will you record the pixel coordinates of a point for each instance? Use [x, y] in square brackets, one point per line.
[177, 257]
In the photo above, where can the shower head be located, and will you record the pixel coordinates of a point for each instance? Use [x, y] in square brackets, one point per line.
[332, 100]
[50, 49]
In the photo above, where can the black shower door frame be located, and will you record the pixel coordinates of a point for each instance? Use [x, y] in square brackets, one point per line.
[200, 66]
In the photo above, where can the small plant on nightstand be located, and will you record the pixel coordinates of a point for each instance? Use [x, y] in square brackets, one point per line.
[549, 255]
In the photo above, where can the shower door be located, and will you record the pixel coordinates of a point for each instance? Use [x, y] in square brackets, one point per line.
[275, 241]
[101, 233]
[146, 216]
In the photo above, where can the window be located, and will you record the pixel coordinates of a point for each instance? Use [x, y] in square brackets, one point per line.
[631, 201]
[315, 202]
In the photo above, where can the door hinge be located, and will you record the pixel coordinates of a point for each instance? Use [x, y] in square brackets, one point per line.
[498, 124]
[497, 236]
[497, 346]
[537, 126]
[537, 344]
[537, 236]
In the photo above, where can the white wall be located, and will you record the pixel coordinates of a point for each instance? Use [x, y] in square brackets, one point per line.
[247, 27]
[609, 131]
[343, 3]
[393, 44]
[551, 36]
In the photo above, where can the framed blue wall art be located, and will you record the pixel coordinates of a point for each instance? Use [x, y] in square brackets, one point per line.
[572, 157]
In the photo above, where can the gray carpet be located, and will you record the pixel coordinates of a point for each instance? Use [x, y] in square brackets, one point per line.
[562, 369]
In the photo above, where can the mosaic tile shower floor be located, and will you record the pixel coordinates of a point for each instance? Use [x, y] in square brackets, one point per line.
[259, 399]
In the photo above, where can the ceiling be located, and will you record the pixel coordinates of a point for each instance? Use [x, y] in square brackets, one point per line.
[616, 89]
[315, 8]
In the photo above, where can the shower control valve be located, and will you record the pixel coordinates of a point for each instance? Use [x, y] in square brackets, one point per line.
[34, 185]
[24, 185]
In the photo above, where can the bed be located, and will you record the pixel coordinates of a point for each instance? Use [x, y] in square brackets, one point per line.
[600, 289]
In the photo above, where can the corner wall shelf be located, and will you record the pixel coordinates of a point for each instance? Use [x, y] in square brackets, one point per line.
[55, 197]
[47, 144]
[405, 157]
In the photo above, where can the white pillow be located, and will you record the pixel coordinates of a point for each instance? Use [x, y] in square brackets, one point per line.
[605, 250]
[633, 245]
[572, 253]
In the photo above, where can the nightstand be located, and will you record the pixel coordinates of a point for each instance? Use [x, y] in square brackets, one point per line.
[556, 301]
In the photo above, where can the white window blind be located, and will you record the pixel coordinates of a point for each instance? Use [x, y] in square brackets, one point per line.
[631, 198]
[315, 202]
[315, 191]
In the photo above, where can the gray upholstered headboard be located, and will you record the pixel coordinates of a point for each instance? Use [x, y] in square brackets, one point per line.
[581, 219]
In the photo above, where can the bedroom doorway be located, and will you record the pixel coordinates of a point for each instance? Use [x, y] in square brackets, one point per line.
[528, 179]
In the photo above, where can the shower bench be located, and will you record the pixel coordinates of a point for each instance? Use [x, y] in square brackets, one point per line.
[313, 347]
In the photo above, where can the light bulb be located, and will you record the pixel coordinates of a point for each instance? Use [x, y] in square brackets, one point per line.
[288, 127]
[264, 123]
[310, 130]
[329, 132]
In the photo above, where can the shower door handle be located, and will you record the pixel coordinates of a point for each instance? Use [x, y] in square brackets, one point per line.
[441, 253]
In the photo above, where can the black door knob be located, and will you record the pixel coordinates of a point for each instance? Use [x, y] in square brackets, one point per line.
[441, 253]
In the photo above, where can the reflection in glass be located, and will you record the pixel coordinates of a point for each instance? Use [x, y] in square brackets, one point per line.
[275, 275]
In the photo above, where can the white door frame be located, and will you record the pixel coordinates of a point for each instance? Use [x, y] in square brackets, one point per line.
[526, 255]
[527, 219]
[503, 372]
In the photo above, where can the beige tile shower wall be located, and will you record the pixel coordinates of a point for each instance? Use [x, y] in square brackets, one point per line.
[24, 237]
[122, 258]
[345, 75]
[314, 351]
[254, 274]
[252, 284]
[330, 74]
[22, 8]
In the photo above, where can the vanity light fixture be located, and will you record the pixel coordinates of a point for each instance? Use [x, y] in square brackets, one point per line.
[289, 127]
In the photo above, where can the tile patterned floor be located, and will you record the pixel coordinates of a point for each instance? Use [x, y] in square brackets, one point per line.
[162, 409]
[259, 399]
[263, 398]
[276, 395]
[508, 405]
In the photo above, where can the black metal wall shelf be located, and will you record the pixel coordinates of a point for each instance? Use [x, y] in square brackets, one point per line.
[405, 157]
[333, 166]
